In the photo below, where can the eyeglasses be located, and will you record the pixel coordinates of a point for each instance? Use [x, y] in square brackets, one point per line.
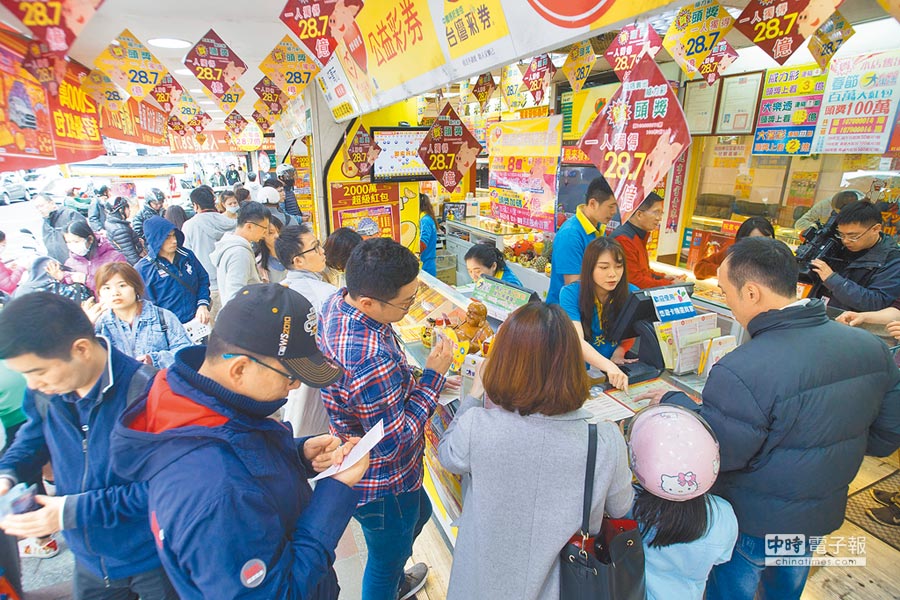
[287, 376]
[853, 238]
[403, 308]
[266, 227]
[316, 247]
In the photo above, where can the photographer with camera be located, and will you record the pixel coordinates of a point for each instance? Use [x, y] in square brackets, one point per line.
[868, 267]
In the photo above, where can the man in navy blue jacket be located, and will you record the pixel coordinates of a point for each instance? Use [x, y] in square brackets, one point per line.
[230, 507]
[78, 387]
[174, 278]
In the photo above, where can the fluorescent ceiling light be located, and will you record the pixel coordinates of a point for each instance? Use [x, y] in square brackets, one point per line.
[169, 43]
[182, 72]
[214, 110]
[195, 90]
[206, 102]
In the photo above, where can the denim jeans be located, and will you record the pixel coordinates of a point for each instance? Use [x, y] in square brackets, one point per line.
[150, 585]
[746, 574]
[390, 525]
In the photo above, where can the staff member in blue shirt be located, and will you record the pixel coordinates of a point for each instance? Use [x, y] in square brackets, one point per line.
[427, 236]
[484, 259]
[576, 233]
[594, 306]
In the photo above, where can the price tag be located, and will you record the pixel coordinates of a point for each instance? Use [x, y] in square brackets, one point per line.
[449, 149]
[629, 45]
[311, 22]
[638, 135]
[695, 31]
[289, 67]
[131, 65]
[536, 78]
[214, 63]
[484, 88]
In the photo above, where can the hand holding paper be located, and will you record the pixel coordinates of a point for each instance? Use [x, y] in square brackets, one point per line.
[356, 461]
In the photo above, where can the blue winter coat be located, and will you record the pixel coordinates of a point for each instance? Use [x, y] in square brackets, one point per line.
[162, 288]
[228, 492]
[105, 518]
[428, 237]
[795, 409]
[146, 335]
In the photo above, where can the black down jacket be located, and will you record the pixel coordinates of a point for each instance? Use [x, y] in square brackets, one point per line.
[123, 237]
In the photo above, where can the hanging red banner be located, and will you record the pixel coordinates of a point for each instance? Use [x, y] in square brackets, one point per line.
[449, 149]
[214, 64]
[177, 126]
[55, 22]
[136, 122]
[537, 77]
[269, 93]
[235, 123]
[483, 89]
[362, 153]
[46, 66]
[261, 120]
[314, 22]
[638, 135]
[630, 44]
[167, 93]
[716, 62]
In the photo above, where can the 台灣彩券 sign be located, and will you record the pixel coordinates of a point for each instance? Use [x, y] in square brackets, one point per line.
[635, 140]
[449, 149]
[859, 104]
[215, 64]
[789, 110]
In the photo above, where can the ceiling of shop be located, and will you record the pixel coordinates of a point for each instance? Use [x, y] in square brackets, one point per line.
[252, 29]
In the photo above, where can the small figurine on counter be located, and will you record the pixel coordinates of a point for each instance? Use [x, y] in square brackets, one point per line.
[475, 328]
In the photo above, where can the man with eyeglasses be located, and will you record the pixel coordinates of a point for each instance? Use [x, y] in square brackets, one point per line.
[378, 384]
[233, 256]
[231, 512]
[865, 275]
[633, 236]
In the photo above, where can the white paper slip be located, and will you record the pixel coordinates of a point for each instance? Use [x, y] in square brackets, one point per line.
[197, 330]
[607, 409]
[368, 441]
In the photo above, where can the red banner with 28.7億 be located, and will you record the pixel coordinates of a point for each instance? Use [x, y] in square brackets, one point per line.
[38, 130]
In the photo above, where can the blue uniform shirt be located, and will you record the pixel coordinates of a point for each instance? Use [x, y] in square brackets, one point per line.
[568, 250]
[568, 300]
[508, 276]
[428, 244]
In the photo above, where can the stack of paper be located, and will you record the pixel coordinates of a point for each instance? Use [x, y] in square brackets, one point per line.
[715, 349]
[690, 335]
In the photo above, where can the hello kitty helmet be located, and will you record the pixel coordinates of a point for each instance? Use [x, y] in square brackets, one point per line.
[674, 454]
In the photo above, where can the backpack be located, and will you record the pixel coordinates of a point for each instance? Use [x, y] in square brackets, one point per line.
[137, 387]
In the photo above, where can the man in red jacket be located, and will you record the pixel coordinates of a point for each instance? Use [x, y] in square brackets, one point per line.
[633, 237]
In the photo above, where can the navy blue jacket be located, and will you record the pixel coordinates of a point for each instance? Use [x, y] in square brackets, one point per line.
[871, 281]
[162, 288]
[105, 517]
[228, 492]
[795, 409]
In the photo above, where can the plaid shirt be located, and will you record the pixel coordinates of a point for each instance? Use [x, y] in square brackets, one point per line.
[377, 384]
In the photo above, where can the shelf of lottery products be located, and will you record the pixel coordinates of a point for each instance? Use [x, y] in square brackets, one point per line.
[436, 299]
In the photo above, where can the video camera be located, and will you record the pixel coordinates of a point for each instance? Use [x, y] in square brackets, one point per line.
[820, 242]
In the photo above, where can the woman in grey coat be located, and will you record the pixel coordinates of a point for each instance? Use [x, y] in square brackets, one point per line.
[526, 458]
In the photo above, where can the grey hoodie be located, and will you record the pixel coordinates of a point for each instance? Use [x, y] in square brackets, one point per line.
[235, 265]
[201, 232]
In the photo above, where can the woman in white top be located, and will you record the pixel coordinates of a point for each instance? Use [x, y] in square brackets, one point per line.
[303, 257]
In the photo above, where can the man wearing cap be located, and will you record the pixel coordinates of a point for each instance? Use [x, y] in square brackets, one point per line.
[154, 202]
[231, 512]
[97, 209]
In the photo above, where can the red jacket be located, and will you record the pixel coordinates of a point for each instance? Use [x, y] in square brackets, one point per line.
[9, 278]
[709, 266]
[634, 243]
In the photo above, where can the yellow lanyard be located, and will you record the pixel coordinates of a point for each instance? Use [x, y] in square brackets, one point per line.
[498, 274]
[599, 339]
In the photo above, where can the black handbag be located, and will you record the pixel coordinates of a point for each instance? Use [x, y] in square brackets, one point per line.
[608, 565]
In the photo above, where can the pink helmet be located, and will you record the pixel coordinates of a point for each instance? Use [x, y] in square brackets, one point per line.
[674, 454]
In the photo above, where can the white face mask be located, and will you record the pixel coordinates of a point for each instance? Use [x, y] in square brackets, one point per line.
[232, 209]
[79, 248]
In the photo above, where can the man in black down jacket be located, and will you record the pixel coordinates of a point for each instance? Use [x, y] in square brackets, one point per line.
[56, 220]
[119, 231]
[866, 274]
[795, 409]
[97, 209]
[153, 207]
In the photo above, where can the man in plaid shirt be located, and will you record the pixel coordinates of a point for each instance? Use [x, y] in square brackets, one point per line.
[355, 331]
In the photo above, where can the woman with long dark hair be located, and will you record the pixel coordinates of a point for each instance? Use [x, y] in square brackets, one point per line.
[337, 248]
[485, 259]
[593, 303]
[427, 236]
